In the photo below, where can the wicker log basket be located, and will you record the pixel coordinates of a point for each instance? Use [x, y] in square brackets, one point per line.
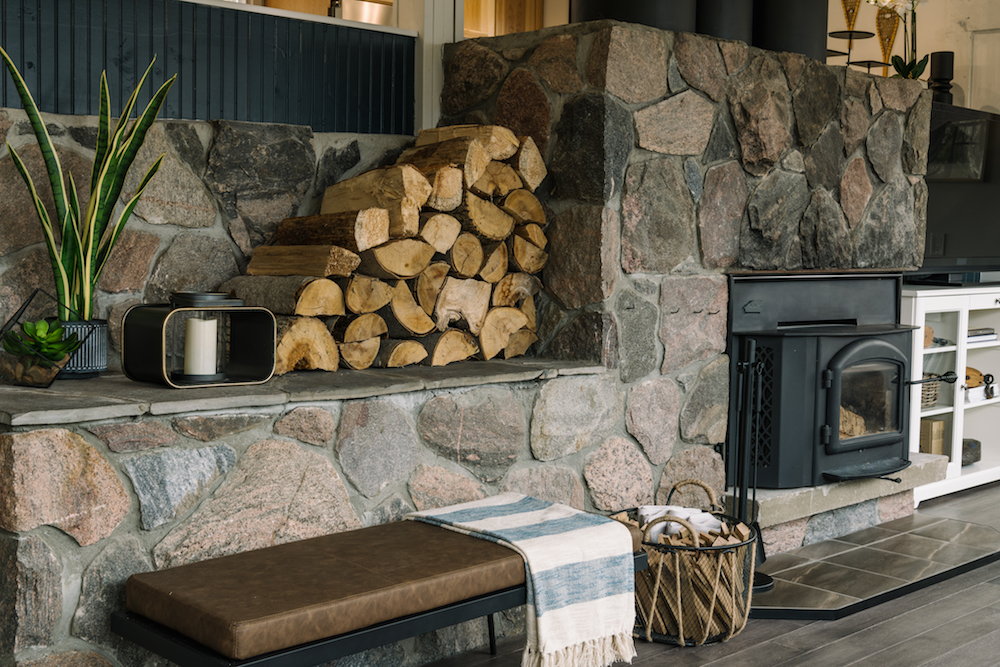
[694, 595]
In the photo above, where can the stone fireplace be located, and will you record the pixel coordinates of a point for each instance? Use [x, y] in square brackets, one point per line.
[674, 159]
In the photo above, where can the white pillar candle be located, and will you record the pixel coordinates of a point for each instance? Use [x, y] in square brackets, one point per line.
[199, 346]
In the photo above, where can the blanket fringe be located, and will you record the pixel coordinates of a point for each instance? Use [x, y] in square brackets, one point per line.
[601, 652]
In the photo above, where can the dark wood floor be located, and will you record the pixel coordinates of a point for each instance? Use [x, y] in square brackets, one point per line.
[954, 623]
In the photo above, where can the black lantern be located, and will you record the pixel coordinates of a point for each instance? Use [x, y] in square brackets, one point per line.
[199, 339]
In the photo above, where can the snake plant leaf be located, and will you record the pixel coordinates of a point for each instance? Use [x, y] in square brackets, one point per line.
[104, 252]
[49, 155]
[58, 268]
[121, 154]
[103, 131]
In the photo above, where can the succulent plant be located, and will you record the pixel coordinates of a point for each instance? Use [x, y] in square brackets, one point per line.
[43, 340]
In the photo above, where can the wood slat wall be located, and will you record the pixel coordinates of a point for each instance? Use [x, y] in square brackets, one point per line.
[232, 64]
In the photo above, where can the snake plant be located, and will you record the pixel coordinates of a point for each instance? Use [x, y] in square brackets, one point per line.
[80, 241]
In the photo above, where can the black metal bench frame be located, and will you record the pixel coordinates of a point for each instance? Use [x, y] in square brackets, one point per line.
[188, 653]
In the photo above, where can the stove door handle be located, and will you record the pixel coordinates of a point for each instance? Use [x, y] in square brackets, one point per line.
[950, 377]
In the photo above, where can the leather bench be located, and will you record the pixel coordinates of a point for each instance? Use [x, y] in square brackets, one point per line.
[312, 601]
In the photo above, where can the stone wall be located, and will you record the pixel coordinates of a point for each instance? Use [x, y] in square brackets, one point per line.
[673, 159]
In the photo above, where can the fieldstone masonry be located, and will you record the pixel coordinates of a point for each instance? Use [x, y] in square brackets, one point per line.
[673, 159]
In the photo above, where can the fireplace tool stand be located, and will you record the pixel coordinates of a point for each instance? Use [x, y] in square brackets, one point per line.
[747, 456]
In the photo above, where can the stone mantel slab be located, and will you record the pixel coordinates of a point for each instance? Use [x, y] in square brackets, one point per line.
[114, 396]
[779, 506]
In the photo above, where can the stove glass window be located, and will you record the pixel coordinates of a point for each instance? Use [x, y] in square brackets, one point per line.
[868, 399]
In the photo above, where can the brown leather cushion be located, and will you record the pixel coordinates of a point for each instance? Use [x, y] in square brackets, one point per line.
[266, 600]
[259, 601]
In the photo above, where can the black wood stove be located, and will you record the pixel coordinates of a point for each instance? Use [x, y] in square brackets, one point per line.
[818, 388]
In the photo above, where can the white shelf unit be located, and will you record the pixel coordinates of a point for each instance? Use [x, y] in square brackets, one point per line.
[951, 312]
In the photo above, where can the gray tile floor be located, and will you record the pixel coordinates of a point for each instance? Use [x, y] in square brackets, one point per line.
[955, 622]
[831, 579]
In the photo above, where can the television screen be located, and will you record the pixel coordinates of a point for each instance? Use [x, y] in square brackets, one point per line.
[963, 183]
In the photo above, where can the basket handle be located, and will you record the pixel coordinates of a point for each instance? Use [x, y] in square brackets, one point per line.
[713, 501]
[646, 536]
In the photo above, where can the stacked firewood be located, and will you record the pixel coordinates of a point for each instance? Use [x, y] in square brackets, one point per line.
[431, 260]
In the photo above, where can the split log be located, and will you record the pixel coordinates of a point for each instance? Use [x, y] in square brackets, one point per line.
[466, 153]
[447, 346]
[359, 355]
[466, 255]
[405, 318]
[529, 164]
[498, 179]
[440, 230]
[499, 141]
[353, 230]
[400, 189]
[303, 343]
[484, 218]
[528, 257]
[498, 326]
[524, 207]
[446, 190]
[365, 294]
[528, 308]
[402, 258]
[398, 353]
[429, 285]
[532, 232]
[288, 295]
[495, 263]
[362, 327]
[302, 260]
[462, 301]
[515, 288]
[852, 425]
[518, 343]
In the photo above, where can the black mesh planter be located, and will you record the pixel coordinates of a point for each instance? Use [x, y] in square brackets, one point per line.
[677, 15]
[92, 357]
[798, 26]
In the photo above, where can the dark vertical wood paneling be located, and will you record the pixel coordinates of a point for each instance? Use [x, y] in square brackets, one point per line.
[79, 69]
[145, 49]
[126, 50]
[202, 62]
[30, 66]
[186, 72]
[63, 31]
[231, 64]
[216, 81]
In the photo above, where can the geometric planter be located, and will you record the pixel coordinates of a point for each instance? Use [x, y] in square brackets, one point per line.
[26, 365]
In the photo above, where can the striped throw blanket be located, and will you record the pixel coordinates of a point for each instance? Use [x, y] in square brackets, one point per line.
[579, 570]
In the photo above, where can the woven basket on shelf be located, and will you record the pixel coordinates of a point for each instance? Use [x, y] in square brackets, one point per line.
[929, 391]
[694, 595]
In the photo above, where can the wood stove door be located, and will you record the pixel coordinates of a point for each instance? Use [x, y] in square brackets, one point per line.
[865, 385]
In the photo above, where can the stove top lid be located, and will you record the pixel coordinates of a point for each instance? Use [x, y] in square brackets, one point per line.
[763, 302]
[812, 331]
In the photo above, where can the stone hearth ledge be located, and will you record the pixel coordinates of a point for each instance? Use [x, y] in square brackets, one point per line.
[114, 396]
[778, 506]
